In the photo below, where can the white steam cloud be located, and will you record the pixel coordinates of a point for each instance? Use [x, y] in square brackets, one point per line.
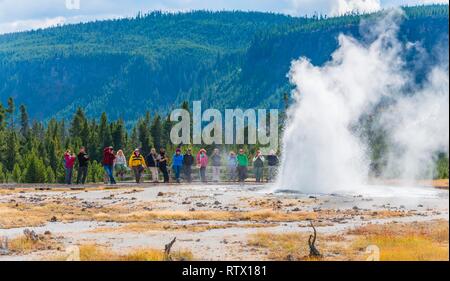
[418, 127]
[323, 148]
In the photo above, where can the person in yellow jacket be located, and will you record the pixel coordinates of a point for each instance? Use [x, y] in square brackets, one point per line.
[137, 164]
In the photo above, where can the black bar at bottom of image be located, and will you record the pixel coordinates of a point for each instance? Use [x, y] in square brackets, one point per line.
[223, 270]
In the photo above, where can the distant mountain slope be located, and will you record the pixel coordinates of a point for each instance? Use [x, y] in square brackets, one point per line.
[156, 61]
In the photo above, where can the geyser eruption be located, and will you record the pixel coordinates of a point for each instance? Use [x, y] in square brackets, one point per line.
[323, 147]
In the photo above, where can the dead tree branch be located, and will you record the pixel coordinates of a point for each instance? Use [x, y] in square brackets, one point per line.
[313, 251]
[167, 250]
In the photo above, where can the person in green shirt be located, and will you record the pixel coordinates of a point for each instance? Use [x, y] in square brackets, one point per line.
[242, 160]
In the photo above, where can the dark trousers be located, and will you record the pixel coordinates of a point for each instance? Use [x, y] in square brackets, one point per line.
[138, 173]
[232, 173]
[82, 175]
[69, 172]
[242, 172]
[165, 173]
[188, 173]
[259, 173]
[203, 174]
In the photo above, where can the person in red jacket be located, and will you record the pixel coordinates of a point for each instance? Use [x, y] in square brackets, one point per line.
[108, 163]
[69, 163]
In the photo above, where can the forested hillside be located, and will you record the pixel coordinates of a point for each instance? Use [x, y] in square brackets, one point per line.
[156, 61]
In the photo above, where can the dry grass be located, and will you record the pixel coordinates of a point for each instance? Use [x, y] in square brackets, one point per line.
[37, 215]
[14, 217]
[29, 215]
[282, 247]
[167, 226]
[412, 248]
[93, 252]
[263, 215]
[23, 213]
[406, 242]
[68, 210]
[277, 203]
[428, 241]
[294, 246]
[22, 245]
[441, 183]
[4, 191]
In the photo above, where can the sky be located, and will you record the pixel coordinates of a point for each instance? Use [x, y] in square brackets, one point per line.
[21, 15]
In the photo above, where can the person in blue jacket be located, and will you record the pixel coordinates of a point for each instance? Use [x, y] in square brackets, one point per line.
[177, 164]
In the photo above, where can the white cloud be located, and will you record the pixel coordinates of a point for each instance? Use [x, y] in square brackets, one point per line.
[33, 24]
[21, 25]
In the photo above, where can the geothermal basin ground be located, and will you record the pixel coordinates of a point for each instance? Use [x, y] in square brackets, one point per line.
[221, 222]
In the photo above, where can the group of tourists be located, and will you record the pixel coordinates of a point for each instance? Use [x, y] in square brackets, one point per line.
[182, 165]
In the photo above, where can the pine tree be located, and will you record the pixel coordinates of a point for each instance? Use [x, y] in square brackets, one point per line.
[144, 134]
[95, 172]
[24, 122]
[156, 132]
[79, 129]
[17, 174]
[52, 154]
[3, 177]
[133, 143]
[50, 175]
[35, 171]
[118, 134]
[2, 117]
[105, 131]
[166, 128]
[94, 147]
[12, 150]
[2, 174]
[11, 111]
